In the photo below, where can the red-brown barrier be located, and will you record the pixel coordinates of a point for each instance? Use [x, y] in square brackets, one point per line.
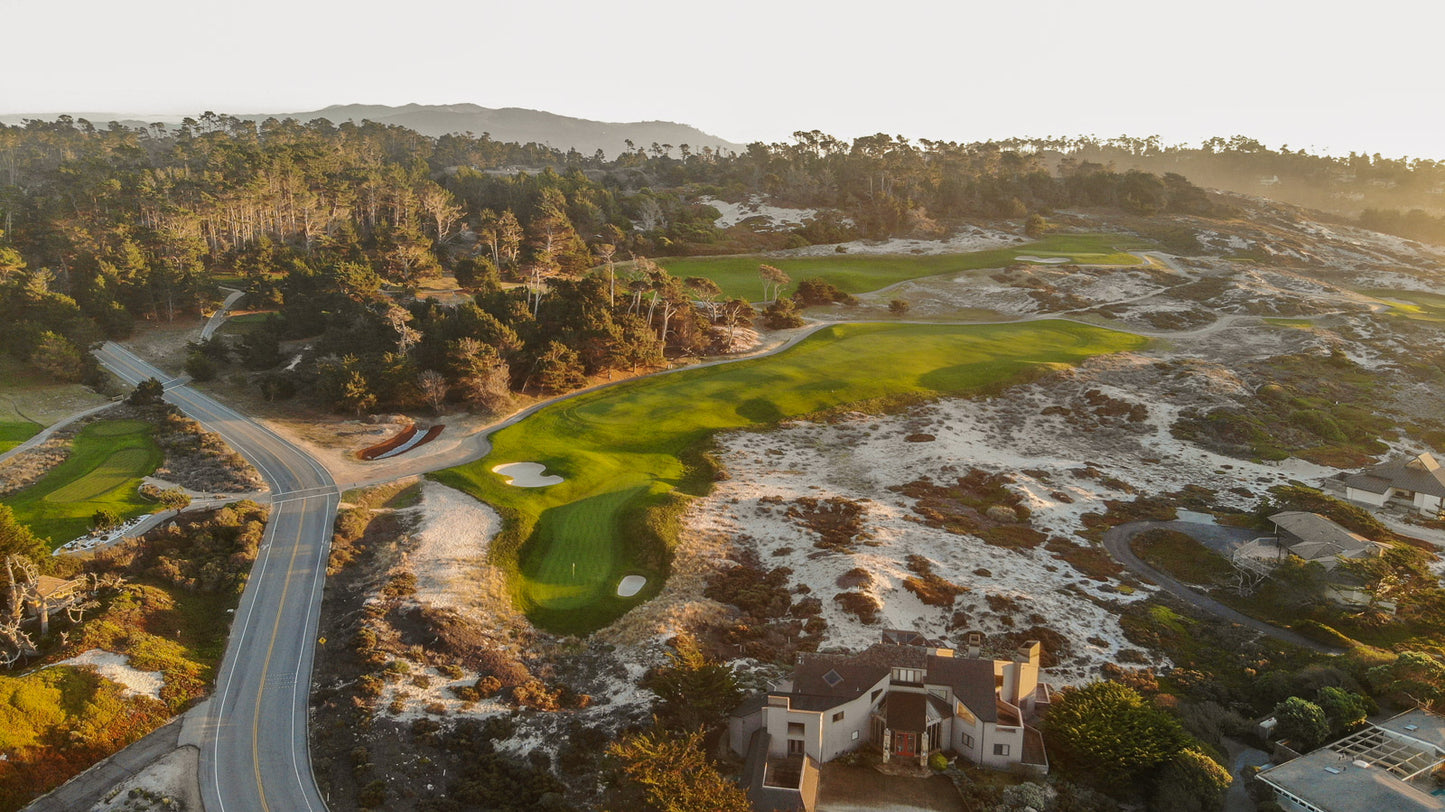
[388, 444]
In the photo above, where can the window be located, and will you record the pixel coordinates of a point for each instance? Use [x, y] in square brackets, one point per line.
[967, 742]
[855, 735]
[1000, 749]
[874, 697]
[838, 717]
[795, 728]
[795, 747]
[908, 675]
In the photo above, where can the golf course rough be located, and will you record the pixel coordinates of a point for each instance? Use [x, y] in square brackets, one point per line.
[632, 454]
[107, 461]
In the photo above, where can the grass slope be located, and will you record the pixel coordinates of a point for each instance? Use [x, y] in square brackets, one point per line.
[15, 433]
[107, 461]
[629, 452]
[859, 273]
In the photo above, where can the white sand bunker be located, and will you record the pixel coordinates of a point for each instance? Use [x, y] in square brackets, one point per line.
[630, 586]
[117, 669]
[527, 474]
[1044, 260]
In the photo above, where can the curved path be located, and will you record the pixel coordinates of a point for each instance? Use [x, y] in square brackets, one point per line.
[255, 755]
[1116, 541]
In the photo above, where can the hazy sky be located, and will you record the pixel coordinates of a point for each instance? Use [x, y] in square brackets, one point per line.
[1322, 74]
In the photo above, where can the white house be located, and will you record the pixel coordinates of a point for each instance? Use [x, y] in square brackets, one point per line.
[1418, 482]
[911, 701]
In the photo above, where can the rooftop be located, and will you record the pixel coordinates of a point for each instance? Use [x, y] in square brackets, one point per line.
[1333, 783]
[1421, 473]
[1374, 769]
[1319, 537]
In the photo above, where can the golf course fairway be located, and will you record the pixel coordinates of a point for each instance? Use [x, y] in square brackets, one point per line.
[107, 460]
[860, 273]
[621, 450]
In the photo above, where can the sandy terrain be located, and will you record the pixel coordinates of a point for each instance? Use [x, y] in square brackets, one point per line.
[860, 458]
[117, 669]
[168, 783]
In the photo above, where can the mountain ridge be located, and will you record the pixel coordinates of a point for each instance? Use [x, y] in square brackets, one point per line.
[507, 124]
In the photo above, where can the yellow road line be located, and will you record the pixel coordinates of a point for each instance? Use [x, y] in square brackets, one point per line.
[266, 669]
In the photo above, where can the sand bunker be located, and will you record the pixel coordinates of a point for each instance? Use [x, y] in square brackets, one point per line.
[527, 474]
[1044, 260]
[630, 586]
[117, 668]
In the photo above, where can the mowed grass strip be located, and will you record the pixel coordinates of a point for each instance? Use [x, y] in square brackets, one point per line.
[622, 449]
[860, 273]
[15, 433]
[107, 461]
[1412, 304]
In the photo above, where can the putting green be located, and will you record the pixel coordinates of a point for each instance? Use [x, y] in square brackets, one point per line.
[621, 450]
[859, 273]
[106, 463]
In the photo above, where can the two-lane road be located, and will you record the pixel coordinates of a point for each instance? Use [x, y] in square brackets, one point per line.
[255, 756]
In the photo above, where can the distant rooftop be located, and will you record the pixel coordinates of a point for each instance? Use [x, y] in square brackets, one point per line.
[1378, 768]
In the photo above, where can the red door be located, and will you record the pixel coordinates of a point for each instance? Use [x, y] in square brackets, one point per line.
[905, 744]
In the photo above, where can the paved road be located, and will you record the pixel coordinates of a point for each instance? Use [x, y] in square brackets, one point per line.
[254, 751]
[1116, 541]
[219, 317]
[46, 432]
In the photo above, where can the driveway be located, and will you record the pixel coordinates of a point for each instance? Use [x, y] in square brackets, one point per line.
[864, 789]
[1116, 541]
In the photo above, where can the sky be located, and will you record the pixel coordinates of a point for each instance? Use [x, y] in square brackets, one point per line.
[1322, 75]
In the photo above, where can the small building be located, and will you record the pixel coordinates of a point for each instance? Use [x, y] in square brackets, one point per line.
[1417, 482]
[1385, 766]
[909, 699]
[1315, 538]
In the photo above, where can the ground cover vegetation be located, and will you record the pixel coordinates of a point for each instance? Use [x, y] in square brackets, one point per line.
[160, 602]
[629, 455]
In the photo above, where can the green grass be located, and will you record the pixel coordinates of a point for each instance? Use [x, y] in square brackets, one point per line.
[1298, 324]
[1411, 304]
[859, 273]
[630, 452]
[106, 464]
[13, 434]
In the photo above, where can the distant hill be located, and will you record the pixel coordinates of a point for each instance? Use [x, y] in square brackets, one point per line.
[503, 124]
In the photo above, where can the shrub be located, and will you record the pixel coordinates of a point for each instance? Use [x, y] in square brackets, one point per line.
[938, 762]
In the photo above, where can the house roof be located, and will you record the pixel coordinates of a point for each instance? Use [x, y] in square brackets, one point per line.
[1319, 537]
[823, 681]
[1421, 473]
[1334, 784]
[47, 586]
[1418, 724]
[907, 712]
[815, 689]
[972, 682]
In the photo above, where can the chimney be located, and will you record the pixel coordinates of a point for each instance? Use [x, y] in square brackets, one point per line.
[975, 643]
[1028, 653]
